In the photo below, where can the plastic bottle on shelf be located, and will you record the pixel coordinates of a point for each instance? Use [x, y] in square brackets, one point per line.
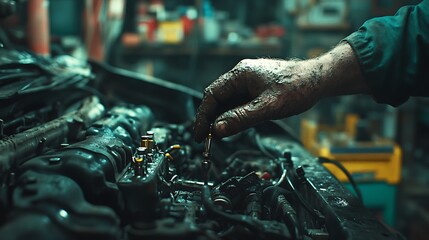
[211, 28]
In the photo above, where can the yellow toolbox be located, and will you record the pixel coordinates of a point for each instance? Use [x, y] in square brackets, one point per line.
[378, 160]
[366, 163]
[375, 165]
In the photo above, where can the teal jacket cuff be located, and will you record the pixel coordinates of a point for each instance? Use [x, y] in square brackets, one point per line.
[393, 53]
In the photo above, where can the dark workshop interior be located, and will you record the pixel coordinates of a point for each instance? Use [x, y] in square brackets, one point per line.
[97, 104]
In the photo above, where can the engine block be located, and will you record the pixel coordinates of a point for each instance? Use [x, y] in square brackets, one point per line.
[122, 164]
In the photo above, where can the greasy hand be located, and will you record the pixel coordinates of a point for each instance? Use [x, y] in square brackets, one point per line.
[255, 91]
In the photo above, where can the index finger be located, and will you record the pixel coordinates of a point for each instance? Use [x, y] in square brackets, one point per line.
[216, 94]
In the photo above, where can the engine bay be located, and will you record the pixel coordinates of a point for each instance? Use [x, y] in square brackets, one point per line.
[94, 152]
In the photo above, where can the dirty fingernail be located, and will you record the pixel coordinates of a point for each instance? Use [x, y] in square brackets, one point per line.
[221, 128]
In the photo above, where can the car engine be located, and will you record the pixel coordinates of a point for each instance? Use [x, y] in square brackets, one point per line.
[93, 152]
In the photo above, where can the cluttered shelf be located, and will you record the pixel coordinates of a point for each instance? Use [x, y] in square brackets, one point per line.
[200, 28]
[242, 49]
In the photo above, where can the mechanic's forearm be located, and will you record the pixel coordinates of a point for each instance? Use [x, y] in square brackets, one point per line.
[340, 72]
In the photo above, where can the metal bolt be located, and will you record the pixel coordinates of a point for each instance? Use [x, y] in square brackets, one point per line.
[300, 171]
[287, 155]
[141, 150]
[54, 160]
[288, 158]
[150, 133]
[301, 174]
[63, 145]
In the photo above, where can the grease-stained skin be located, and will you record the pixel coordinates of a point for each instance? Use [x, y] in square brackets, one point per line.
[257, 90]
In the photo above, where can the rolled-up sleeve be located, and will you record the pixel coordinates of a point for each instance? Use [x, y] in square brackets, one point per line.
[393, 52]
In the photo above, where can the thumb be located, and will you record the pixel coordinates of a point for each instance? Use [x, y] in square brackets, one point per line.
[248, 115]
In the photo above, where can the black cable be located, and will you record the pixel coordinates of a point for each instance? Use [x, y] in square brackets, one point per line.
[12, 77]
[346, 172]
[303, 203]
[244, 220]
[250, 223]
[275, 198]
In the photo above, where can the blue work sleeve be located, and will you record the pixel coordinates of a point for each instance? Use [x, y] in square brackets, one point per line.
[393, 52]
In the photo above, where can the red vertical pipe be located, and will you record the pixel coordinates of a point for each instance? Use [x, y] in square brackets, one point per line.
[38, 26]
[93, 38]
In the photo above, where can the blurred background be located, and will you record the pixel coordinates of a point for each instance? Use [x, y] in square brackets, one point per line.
[192, 42]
